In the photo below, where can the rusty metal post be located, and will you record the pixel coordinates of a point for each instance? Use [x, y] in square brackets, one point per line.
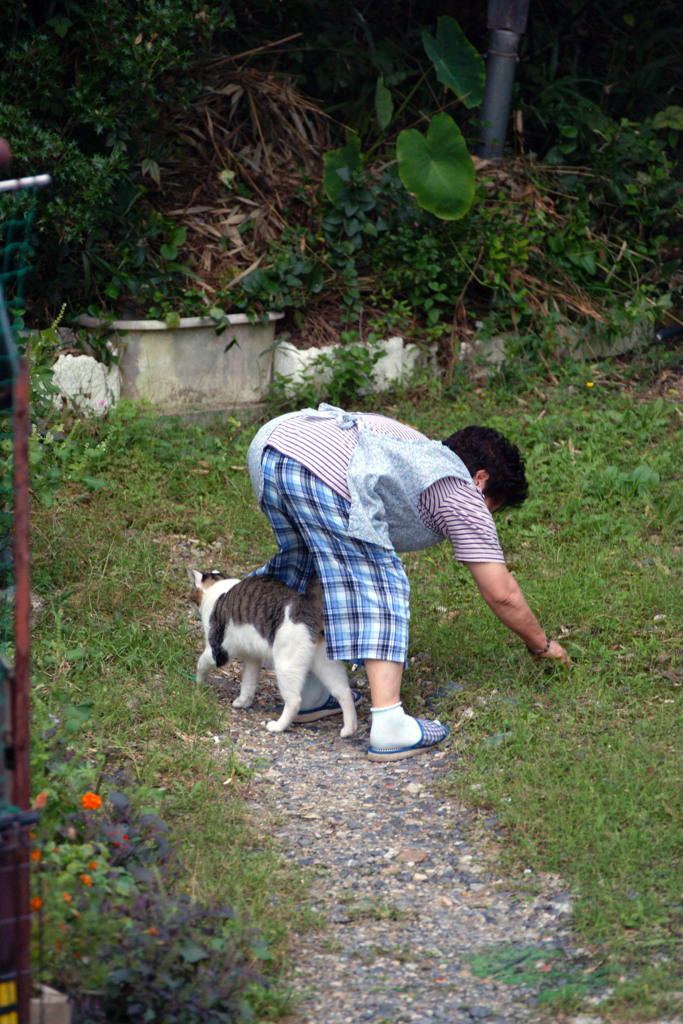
[21, 701]
[16, 817]
[20, 705]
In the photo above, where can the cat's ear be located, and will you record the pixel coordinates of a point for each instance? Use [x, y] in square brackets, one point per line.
[195, 577]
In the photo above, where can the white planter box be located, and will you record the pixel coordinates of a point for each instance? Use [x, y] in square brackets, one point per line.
[187, 368]
[295, 364]
[486, 356]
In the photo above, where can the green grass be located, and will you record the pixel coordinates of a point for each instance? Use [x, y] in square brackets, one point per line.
[582, 766]
[115, 638]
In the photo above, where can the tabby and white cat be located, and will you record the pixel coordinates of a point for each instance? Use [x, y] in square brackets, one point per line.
[263, 622]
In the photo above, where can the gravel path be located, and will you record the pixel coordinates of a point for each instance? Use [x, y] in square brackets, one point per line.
[420, 927]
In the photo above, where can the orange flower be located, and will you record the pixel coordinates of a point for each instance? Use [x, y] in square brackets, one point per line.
[85, 879]
[66, 896]
[91, 801]
[151, 931]
[35, 854]
[40, 801]
[36, 903]
[93, 865]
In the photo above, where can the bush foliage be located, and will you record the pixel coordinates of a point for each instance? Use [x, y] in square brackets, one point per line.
[105, 878]
[86, 93]
[150, 115]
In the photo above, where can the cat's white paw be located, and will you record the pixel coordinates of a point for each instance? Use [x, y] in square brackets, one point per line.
[275, 727]
[243, 702]
[348, 731]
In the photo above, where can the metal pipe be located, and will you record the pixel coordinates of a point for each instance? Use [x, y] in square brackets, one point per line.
[501, 63]
[15, 184]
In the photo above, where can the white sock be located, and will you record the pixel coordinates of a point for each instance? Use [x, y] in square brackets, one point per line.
[392, 727]
[314, 694]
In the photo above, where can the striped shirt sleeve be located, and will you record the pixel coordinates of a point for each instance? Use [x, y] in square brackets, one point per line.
[456, 509]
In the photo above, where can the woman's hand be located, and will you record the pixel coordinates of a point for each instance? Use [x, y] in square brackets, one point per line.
[555, 652]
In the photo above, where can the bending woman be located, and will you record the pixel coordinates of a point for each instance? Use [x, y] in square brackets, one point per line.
[344, 492]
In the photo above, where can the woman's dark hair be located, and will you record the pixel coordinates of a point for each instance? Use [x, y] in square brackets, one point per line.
[486, 448]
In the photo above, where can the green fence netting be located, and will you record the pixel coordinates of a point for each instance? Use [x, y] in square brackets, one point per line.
[16, 218]
[14, 265]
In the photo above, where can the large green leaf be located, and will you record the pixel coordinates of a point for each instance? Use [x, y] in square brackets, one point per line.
[438, 169]
[384, 105]
[456, 62]
[339, 164]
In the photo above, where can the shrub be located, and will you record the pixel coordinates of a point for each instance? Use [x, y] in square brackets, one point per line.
[108, 927]
[172, 962]
[542, 247]
[96, 84]
[119, 100]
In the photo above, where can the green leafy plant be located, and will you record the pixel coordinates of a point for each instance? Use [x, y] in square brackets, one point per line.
[436, 169]
[577, 231]
[186, 964]
[344, 375]
[100, 83]
[56, 458]
[352, 372]
[103, 858]
[456, 62]
[42, 349]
